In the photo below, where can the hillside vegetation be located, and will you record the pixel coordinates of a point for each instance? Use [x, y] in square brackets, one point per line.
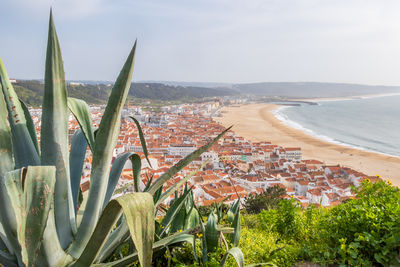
[364, 231]
[31, 92]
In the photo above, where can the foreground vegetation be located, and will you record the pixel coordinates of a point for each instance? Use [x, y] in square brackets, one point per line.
[364, 231]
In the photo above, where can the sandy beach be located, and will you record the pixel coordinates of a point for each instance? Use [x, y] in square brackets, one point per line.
[257, 123]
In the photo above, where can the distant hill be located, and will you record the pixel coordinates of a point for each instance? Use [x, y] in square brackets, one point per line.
[193, 84]
[31, 91]
[312, 89]
[171, 92]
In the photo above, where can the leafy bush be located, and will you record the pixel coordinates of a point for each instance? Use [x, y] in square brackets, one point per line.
[259, 246]
[267, 200]
[366, 230]
[218, 208]
[285, 219]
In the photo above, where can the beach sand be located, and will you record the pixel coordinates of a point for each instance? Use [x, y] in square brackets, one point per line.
[257, 123]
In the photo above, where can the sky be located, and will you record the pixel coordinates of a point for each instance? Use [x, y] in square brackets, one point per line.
[233, 41]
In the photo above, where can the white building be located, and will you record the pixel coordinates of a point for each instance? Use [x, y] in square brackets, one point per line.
[293, 153]
[301, 187]
[211, 157]
[181, 149]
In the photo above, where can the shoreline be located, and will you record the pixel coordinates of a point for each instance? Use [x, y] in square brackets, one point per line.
[297, 126]
[257, 122]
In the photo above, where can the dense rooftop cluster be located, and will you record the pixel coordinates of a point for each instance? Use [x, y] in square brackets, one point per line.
[232, 168]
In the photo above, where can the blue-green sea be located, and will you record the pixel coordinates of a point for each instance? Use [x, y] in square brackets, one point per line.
[370, 123]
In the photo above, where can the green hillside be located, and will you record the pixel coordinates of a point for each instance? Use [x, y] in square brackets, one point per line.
[171, 92]
[31, 92]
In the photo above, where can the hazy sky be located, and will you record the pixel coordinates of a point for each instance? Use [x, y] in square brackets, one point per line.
[355, 41]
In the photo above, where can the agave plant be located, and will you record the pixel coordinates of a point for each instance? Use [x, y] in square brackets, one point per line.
[183, 216]
[40, 185]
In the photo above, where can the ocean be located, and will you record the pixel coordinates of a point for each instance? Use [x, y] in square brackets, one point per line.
[369, 123]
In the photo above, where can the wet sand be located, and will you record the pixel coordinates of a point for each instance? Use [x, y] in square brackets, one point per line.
[257, 123]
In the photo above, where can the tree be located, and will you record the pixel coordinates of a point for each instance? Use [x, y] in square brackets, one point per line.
[267, 200]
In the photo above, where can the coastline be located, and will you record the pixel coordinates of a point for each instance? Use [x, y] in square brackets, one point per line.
[257, 122]
[292, 124]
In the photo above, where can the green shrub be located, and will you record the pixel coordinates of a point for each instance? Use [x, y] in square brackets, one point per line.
[285, 219]
[250, 221]
[366, 230]
[260, 246]
[267, 200]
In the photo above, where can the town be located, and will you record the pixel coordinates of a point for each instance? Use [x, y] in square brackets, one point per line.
[232, 168]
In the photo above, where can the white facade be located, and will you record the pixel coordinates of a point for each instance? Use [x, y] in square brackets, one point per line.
[293, 154]
[181, 150]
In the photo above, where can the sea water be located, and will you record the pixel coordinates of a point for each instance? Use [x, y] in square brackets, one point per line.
[370, 123]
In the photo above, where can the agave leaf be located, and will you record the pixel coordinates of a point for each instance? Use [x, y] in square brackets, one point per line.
[4, 243]
[142, 140]
[230, 217]
[173, 188]
[204, 258]
[30, 125]
[170, 240]
[24, 151]
[9, 222]
[172, 212]
[212, 233]
[234, 209]
[189, 202]
[54, 136]
[114, 240]
[233, 219]
[178, 222]
[6, 156]
[141, 224]
[122, 188]
[157, 195]
[136, 167]
[31, 194]
[183, 163]
[7, 259]
[81, 112]
[236, 226]
[51, 253]
[7, 217]
[105, 139]
[150, 180]
[237, 254]
[76, 160]
[192, 219]
[139, 211]
[115, 174]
